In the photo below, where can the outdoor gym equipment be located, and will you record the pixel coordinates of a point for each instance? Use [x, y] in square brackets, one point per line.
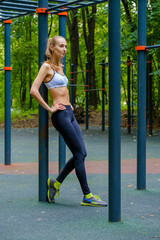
[11, 9]
[87, 89]
[7, 69]
[132, 94]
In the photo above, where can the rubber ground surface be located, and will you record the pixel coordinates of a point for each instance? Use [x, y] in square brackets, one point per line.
[23, 217]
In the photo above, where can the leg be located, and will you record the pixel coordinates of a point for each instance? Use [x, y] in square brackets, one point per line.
[66, 124]
[69, 166]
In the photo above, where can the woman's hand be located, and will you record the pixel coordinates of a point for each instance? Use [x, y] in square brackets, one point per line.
[58, 106]
[72, 108]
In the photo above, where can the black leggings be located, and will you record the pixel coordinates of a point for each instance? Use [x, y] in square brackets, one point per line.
[65, 122]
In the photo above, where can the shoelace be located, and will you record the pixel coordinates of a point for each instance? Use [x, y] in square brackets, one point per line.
[97, 197]
[57, 193]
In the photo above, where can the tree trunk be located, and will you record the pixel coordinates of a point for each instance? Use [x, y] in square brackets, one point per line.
[30, 62]
[24, 72]
[21, 78]
[50, 28]
[72, 23]
[128, 14]
[81, 66]
[89, 40]
[24, 86]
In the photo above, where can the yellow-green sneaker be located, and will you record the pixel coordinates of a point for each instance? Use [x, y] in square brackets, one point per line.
[93, 201]
[51, 190]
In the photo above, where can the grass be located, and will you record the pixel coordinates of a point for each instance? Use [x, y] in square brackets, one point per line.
[18, 114]
[23, 114]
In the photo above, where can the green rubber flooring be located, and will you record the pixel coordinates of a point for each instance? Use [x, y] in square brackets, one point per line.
[23, 217]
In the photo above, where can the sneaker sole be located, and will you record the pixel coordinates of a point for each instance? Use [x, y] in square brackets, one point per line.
[48, 185]
[92, 205]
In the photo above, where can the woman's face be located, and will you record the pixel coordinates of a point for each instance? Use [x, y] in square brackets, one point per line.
[60, 48]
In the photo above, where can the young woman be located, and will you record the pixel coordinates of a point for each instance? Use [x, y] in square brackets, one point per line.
[51, 73]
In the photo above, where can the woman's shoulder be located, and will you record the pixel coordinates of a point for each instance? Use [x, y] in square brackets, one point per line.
[46, 66]
[45, 70]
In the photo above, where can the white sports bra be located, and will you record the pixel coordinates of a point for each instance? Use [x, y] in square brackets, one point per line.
[56, 81]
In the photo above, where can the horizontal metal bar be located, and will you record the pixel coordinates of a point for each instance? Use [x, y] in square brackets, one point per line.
[17, 5]
[26, 2]
[10, 12]
[75, 85]
[3, 19]
[16, 8]
[96, 2]
[20, 15]
[59, 1]
[80, 5]
[30, 7]
[153, 46]
[21, 1]
[78, 71]
[59, 10]
[70, 7]
[7, 15]
[80, 1]
[1, 69]
[64, 4]
[91, 90]
[104, 64]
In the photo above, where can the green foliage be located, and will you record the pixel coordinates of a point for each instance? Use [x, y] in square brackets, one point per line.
[21, 114]
[1, 114]
[24, 52]
[24, 59]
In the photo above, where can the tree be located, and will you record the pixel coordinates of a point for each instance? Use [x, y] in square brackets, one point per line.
[72, 23]
[88, 17]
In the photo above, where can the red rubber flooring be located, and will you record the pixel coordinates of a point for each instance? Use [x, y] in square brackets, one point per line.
[128, 166]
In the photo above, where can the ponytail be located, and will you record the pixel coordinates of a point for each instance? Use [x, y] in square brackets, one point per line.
[52, 41]
[48, 52]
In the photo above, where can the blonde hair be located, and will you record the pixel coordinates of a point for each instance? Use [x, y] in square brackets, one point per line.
[52, 41]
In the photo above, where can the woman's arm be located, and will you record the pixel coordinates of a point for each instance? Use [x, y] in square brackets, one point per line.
[34, 91]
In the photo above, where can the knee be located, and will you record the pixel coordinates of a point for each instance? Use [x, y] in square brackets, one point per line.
[81, 155]
[85, 154]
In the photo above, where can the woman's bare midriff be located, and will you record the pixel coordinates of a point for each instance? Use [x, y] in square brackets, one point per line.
[60, 95]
